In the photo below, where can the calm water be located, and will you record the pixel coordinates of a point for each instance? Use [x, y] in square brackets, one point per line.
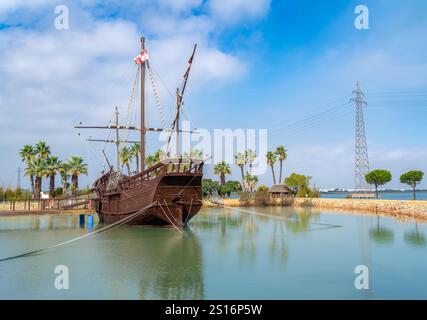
[271, 253]
[398, 195]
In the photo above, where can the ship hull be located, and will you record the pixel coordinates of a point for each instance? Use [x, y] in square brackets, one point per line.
[164, 195]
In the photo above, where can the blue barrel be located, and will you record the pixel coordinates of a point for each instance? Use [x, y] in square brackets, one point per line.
[90, 222]
[82, 219]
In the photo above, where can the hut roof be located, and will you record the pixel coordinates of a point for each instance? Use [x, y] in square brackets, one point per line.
[279, 188]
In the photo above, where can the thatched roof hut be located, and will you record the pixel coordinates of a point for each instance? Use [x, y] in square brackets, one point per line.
[280, 190]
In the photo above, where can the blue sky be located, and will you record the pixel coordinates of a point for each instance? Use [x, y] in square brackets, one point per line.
[260, 64]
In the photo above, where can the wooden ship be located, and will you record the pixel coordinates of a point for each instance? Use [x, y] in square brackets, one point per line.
[169, 193]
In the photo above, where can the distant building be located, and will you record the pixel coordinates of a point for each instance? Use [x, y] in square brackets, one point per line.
[361, 196]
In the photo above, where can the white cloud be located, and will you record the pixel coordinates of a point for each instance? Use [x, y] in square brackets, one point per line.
[8, 5]
[51, 80]
[232, 11]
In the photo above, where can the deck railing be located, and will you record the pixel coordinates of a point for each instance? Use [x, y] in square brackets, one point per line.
[42, 205]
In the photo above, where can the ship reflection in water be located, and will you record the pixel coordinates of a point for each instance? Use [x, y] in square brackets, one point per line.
[236, 253]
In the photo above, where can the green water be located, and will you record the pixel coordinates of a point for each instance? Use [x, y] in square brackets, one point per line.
[252, 253]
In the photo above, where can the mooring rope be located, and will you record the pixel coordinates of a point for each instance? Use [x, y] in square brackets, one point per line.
[325, 225]
[169, 218]
[188, 213]
[102, 230]
[167, 207]
[92, 234]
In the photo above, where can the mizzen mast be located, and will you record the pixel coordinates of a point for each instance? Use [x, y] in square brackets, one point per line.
[179, 101]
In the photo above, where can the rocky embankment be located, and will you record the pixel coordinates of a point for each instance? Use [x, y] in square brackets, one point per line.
[416, 209]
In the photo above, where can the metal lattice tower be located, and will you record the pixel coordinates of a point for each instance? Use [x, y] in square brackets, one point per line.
[361, 161]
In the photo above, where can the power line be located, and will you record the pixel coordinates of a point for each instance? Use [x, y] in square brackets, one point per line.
[334, 102]
[321, 116]
[303, 128]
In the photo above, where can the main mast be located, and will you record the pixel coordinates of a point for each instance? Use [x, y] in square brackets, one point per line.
[143, 129]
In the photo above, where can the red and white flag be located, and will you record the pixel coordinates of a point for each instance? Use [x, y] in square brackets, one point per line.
[142, 57]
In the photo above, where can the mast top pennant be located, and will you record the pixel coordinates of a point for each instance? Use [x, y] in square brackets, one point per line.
[142, 57]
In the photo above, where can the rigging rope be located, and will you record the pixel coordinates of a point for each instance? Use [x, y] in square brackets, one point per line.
[156, 97]
[132, 101]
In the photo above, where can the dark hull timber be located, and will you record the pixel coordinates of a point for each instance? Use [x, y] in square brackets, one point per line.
[172, 191]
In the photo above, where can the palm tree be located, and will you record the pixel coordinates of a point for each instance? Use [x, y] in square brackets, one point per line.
[271, 160]
[281, 152]
[159, 155]
[42, 150]
[154, 159]
[76, 167]
[150, 160]
[250, 158]
[196, 154]
[63, 170]
[52, 165]
[135, 151]
[27, 154]
[251, 182]
[222, 168]
[29, 171]
[126, 157]
[241, 160]
[39, 169]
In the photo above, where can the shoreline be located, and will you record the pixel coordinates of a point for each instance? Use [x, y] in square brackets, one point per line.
[45, 213]
[394, 208]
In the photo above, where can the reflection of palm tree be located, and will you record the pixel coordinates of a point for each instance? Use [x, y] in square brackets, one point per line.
[381, 234]
[283, 247]
[250, 230]
[229, 221]
[415, 237]
[300, 222]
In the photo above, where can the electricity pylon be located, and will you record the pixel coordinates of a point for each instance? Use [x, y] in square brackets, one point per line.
[361, 160]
